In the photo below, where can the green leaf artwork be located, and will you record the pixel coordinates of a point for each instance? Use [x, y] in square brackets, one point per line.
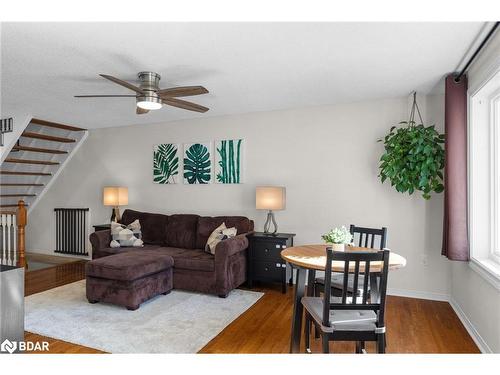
[228, 161]
[197, 163]
[165, 163]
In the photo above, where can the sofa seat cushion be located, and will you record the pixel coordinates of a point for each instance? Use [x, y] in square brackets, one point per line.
[187, 259]
[341, 320]
[206, 225]
[129, 266]
[152, 225]
[120, 250]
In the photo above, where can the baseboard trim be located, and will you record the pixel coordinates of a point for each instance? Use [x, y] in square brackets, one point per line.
[418, 294]
[481, 344]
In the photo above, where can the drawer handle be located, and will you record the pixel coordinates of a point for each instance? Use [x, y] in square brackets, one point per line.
[266, 269]
[266, 250]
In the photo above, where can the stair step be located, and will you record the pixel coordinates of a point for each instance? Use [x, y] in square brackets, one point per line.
[56, 125]
[16, 173]
[46, 137]
[29, 161]
[18, 184]
[37, 149]
[17, 195]
[11, 205]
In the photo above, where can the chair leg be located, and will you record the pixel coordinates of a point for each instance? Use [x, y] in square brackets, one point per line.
[325, 344]
[381, 343]
[316, 290]
[317, 293]
[307, 334]
[316, 333]
[358, 347]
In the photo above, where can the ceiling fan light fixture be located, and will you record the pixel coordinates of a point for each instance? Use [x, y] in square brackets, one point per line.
[149, 102]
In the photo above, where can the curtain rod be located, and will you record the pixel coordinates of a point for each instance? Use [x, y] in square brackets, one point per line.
[491, 32]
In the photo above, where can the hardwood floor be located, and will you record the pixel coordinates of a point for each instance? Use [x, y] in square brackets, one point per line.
[37, 281]
[413, 325]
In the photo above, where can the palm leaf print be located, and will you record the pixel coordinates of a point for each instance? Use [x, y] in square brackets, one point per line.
[230, 161]
[165, 164]
[197, 168]
[222, 175]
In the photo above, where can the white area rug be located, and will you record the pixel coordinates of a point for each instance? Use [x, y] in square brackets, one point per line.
[180, 322]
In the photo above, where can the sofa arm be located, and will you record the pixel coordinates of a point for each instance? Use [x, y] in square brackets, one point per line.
[223, 252]
[100, 239]
[231, 246]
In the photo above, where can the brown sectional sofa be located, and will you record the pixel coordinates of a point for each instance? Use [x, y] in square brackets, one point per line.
[183, 237]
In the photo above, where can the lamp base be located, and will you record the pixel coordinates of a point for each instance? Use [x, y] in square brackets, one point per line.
[267, 225]
[115, 214]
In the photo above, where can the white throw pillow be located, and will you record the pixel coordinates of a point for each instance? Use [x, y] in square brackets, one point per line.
[220, 233]
[126, 235]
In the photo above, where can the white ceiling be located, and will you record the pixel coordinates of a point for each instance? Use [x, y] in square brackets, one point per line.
[247, 67]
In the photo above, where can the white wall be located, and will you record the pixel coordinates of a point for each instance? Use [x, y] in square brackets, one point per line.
[326, 157]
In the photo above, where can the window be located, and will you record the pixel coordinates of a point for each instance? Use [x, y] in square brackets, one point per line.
[495, 117]
[484, 176]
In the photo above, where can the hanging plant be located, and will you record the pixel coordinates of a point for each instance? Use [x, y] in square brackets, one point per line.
[414, 156]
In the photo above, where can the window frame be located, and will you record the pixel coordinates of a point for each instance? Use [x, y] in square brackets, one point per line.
[494, 104]
[483, 130]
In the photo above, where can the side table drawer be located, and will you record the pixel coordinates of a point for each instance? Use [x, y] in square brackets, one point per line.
[269, 270]
[268, 251]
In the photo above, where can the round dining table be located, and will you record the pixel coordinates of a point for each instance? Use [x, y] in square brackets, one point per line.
[306, 260]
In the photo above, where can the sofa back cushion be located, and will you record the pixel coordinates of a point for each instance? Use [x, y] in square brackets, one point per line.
[206, 225]
[181, 231]
[152, 225]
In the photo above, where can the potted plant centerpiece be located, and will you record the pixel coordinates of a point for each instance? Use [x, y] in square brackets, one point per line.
[338, 238]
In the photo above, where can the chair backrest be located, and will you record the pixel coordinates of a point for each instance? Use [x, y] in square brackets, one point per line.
[358, 263]
[367, 236]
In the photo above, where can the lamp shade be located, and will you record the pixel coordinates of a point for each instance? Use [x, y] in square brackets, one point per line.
[270, 198]
[115, 196]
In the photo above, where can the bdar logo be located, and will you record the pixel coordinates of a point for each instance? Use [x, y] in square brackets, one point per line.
[8, 346]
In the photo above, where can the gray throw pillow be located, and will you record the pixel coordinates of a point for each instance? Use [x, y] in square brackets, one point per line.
[129, 235]
[220, 233]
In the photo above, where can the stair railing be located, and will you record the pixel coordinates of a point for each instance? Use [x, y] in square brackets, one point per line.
[12, 236]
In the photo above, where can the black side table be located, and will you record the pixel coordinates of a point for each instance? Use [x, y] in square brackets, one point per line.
[99, 227]
[264, 259]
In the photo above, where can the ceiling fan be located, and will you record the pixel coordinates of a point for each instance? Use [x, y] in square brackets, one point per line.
[150, 97]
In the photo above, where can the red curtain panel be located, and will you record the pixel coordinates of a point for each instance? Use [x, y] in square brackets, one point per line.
[455, 234]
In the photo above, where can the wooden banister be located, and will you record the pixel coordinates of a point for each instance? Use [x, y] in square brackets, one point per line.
[22, 221]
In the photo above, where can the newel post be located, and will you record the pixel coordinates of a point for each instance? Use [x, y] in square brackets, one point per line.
[22, 220]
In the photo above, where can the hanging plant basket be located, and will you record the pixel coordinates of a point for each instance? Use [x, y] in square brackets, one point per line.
[414, 156]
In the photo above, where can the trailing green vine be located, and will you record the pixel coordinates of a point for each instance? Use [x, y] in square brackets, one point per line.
[413, 158]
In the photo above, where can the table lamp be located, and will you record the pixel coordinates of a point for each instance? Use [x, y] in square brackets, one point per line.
[115, 196]
[270, 198]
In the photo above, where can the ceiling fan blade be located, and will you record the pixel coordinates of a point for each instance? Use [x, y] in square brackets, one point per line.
[182, 91]
[123, 83]
[105, 96]
[184, 104]
[140, 111]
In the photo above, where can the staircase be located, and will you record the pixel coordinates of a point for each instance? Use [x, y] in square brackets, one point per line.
[35, 161]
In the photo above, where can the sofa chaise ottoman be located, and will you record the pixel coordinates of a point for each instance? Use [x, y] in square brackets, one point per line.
[129, 279]
[183, 237]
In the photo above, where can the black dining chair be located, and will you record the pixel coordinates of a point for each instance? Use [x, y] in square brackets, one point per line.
[351, 317]
[362, 237]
